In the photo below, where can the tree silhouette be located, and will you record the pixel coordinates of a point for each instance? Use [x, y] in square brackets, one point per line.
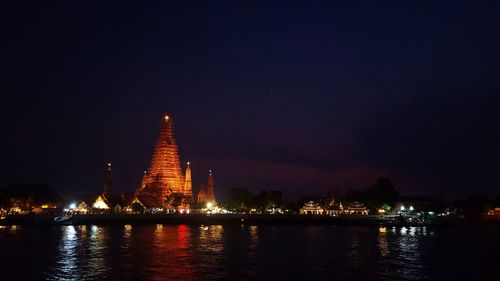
[382, 193]
[177, 199]
[239, 199]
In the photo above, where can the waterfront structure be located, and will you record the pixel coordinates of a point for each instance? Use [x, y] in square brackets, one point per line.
[311, 208]
[164, 175]
[494, 212]
[106, 204]
[144, 204]
[82, 208]
[407, 205]
[334, 210]
[355, 208]
[23, 198]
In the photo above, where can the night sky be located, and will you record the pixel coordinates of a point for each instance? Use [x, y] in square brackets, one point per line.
[296, 96]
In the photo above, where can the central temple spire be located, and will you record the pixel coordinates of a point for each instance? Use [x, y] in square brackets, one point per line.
[164, 174]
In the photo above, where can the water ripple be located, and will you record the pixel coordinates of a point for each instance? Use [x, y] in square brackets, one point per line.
[166, 252]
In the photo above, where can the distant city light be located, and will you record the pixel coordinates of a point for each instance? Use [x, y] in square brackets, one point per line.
[402, 208]
[209, 205]
[72, 205]
[411, 208]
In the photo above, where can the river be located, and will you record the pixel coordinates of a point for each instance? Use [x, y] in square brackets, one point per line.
[216, 252]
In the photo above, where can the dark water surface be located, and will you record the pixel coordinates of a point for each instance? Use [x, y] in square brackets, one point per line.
[180, 252]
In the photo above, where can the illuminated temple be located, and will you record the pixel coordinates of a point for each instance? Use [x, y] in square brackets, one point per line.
[207, 195]
[164, 175]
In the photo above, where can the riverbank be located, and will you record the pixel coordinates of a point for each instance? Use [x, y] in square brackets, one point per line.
[194, 219]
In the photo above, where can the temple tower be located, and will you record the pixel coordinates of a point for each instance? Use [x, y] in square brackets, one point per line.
[164, 175]
[202, 195]
[108, 180]
[210, 188]
[188, 184]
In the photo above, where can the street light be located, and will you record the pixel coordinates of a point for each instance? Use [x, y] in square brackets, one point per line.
[72, 205]
[402, 208]
[411, 208]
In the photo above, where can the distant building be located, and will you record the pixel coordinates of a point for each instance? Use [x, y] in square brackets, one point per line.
[311, 208]
[101, 203]
[202, 195]
[207, 195]
[108, 181]
[210, 188]
[494, 212]
[355, 208]
[106, 201]
[417, 204]
[82, 208]
[333, 207]
[145, 204]
[334, 210]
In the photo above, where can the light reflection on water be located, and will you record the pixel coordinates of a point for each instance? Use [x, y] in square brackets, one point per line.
[98, 252]
[383, 242]
[254, 239]
[209, 247]
[166, 252]
[66, 266]
[403, 252]
[76, 243]
[171, 253]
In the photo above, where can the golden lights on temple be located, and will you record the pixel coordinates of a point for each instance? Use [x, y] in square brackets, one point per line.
[164, 175]
[164, 186]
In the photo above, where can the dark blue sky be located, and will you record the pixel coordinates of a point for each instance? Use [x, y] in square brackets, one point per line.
[298, 96]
